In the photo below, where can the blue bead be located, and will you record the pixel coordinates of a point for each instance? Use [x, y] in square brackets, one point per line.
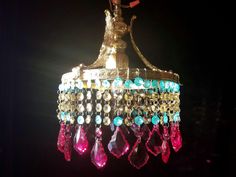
[176, 117]
[134, 113]
[147, 83]
[167, 86]
[165, 118]
[80, 120]
[162, 86]
[176, 87]
[62, 115]
[118, 121]
[68, 117]
[154, 83]
[98, 119]
[150, 91]
[117, 82]
[128, 84]
[138, 81]
[138, 120]
[155, 119]
[172, 84]
[106, 83]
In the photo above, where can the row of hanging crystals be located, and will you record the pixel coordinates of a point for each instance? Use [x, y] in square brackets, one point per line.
[136, 104]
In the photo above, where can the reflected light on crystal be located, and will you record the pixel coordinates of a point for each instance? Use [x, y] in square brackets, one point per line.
[111, 63]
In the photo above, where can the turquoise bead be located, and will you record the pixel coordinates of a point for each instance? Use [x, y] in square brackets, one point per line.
[106, 83]
[98, 119]
[165, 118]
[80, 120]
[62, 115]
[150, 91]
[117, 82]
[147, 83]
[162, 86]
[138, 120]
[61, 87]
[128, 84]
[79, 84]
[176, 117]
[154, 83]
[138, 81]
[176, 87]
[118, 121]
[167, 86]
[134, 113]
[172, 84]
[155, 119]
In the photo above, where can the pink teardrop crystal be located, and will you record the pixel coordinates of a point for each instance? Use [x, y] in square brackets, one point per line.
[118, 144]
[80, 140]
[61, 137]
[154, 142]
[98, 155]
[175, 137]
[138, 157]
[165, 145]
[68, 143]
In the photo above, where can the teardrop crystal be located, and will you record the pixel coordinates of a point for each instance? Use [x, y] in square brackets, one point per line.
[98, 155]
[154, 142]
[80, 140]
[138, 157]
[118, 144]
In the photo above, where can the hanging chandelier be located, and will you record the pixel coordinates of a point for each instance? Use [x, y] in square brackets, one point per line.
[142, 101]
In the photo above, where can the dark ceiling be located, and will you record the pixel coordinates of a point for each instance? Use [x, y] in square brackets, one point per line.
[41, 40]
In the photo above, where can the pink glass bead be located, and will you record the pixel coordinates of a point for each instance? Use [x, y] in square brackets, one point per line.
[68, 144]
[61, 137]
[118, 144]
[138, 156]
[80, 140]
[175, 137]
[98, 155]
[154, 142]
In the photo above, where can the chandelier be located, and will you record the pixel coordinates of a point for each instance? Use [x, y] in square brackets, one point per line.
[142, 103]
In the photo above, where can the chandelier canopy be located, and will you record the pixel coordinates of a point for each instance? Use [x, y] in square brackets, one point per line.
[143, 101]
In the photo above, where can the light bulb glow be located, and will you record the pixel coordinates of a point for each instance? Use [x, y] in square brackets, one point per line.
[111, 63]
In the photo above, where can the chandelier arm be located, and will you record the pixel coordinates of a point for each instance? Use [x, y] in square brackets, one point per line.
[136, 49]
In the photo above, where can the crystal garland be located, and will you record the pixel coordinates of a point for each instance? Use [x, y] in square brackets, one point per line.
[138, 104]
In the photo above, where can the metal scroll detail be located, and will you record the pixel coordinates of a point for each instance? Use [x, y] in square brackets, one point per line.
[144, 59]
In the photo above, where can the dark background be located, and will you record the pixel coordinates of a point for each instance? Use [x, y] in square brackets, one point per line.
[41, 40]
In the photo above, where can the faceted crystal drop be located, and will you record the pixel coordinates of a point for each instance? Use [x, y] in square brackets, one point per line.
[61, 137]
[68, 144]
[138, 157]
[165, 151]
[118, 144]
[98, 156]
[154, 142]
[80, 140]
[175, 137]
[165, 145]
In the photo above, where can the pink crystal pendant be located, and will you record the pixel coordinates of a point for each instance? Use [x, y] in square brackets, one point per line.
[175, 136]
[80, 140]
[118, 144]
[165, 145]
[98, 155]
[61, 137]
[154, 142]
[138, 156]
[68, 143]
